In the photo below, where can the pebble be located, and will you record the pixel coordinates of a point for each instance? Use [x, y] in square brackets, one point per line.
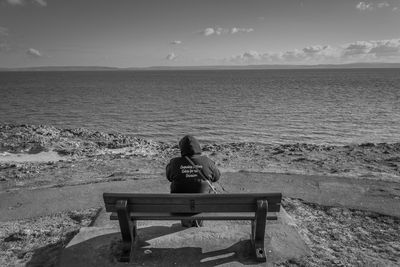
[147, 251]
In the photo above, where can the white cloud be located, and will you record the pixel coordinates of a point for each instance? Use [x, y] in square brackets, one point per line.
[211, 31]
[238, 30]
[360, 51]
[176, 42]
[377, 48]
[383, 4]
[220, 31]
[33, 52]
[207, 31]
[171, 56]
[367, 6]
[364, 6]
[22, 2]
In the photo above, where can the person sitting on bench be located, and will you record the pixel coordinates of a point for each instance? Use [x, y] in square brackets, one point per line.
[187, 173]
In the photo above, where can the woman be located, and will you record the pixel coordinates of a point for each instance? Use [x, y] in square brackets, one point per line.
[186, 178]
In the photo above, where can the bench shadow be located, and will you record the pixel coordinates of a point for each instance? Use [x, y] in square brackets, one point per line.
[49, 255]
[103, 250]
[194, 256]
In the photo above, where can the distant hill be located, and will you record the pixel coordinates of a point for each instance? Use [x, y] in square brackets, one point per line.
[216, 67]
[281, 66]
[61, 68]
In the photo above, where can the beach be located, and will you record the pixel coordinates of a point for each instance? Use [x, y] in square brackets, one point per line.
[345, 200]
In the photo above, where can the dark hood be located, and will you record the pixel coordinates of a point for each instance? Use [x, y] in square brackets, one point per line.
[189, 146]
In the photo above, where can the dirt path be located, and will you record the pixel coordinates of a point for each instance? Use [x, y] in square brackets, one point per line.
[377, 196]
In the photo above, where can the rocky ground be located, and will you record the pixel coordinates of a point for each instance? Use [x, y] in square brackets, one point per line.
[336, 236]
[91, 156]
[39, 241]
[339, 236]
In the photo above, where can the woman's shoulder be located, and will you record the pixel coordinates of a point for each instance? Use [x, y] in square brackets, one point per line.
[204, 158]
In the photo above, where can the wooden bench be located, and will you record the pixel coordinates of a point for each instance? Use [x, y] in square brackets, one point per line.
[128, 208]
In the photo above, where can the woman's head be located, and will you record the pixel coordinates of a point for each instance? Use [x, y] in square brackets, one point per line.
[189, 146]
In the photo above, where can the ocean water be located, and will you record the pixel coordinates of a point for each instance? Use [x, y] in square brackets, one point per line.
[339, 106]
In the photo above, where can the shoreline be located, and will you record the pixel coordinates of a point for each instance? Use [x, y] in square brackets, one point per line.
[48, 156]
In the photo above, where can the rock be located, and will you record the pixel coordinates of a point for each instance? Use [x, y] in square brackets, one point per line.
[14, 237]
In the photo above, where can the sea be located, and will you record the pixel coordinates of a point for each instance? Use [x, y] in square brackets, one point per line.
[316, 106]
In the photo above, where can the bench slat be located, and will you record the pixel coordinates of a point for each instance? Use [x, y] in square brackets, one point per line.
[198, 216]
[192, 202]
[187, 208]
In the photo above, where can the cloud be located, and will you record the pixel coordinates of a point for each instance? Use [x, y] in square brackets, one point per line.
[22, 2]
[4, 47]
[176, 42]
[171, 56]
[377, 48]
[41, 2]
[367, 6]
[33, 53]
[364, 6]
[360, 51]
[3, 31]
[215, 31]
[15, 2]
[238, 30]
[220, 31]
[383, 4]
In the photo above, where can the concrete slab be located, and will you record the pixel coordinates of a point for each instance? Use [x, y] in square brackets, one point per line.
[166, 243]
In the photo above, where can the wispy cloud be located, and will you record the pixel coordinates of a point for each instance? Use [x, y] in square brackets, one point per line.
[212, 31]
[4, 47]
[360, 51]
[171, 56]
[33, 53]
[365, 6]
[377, 48]
[42, 3]
[238, 30]
[15, 2]
[219, 31]
[368, 6]
[3, 31]
[176, 42]
[383, 4]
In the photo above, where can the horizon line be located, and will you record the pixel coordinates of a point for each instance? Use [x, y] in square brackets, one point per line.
[221, 67]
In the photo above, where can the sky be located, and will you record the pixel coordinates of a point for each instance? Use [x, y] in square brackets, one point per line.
[129, 33]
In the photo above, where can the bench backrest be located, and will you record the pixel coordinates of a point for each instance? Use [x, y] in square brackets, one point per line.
[192, 203]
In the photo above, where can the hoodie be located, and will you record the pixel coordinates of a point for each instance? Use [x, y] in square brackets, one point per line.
[183, 176]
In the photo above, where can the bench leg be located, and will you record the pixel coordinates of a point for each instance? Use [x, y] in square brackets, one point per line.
[258, 230]
[128, 230]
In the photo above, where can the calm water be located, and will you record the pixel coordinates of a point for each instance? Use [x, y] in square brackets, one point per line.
[269, 106]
